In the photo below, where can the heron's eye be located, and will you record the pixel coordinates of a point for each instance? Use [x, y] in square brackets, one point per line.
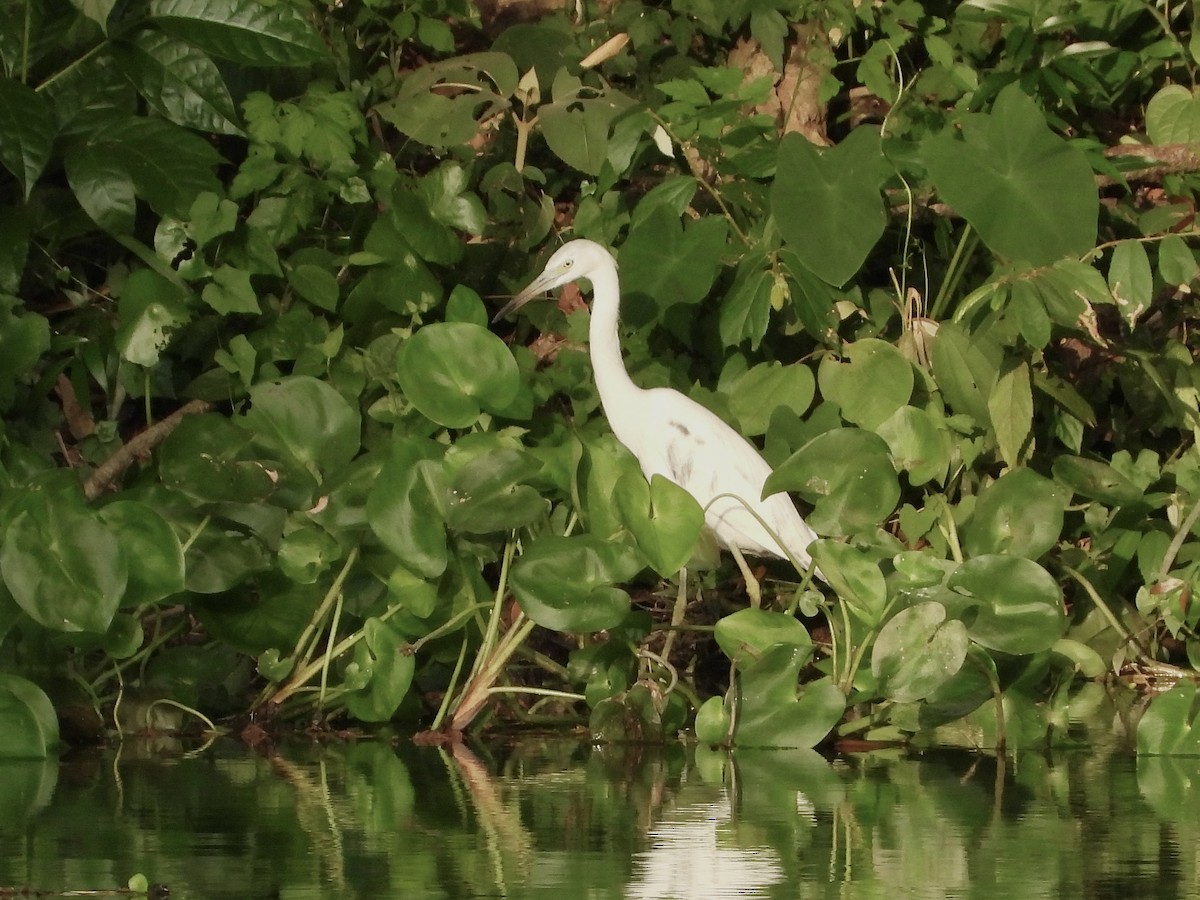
[568, 263]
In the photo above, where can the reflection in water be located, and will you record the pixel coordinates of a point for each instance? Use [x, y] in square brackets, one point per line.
[547, 817]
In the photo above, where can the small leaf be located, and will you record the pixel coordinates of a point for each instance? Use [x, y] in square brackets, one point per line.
[180, 81]
[1010, 408]
[1130, 280]
[391, 669]
[871, 386]
[745, 635]
[854, 576]
[919, 443]
[149, 309]
[1096, 480]
[231, 292]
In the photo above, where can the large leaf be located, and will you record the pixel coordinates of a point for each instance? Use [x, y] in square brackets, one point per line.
[208, 458]
[64, 566]
[770, 713]
[246, 31]
[1169, 726]
[871, 385]
[427, 112]
[766, 387]
[1020, 513]
[306, 420]
[147, 538]
[490, 493]
[847, 475]
[28, 724]
[568, 583]
[855, 577]
[27, 129]
[379, 655]
[1096, 480]
[827, 203]
[1017, 604]
[665, 263]
[576, 125]
[179, 81]
[453, 371]
[918, 651]
[162, 163]
[663, 518]
[405, 508]
[1029, 194]
[1173, 116]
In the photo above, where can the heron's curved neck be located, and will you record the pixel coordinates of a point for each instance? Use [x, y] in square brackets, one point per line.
[617, 390]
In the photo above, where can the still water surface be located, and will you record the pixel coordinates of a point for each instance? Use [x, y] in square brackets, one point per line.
[552, 817]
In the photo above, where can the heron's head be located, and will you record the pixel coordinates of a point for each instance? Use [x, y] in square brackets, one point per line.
[573, 260]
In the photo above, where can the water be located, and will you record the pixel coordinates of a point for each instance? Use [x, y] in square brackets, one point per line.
[552, 817]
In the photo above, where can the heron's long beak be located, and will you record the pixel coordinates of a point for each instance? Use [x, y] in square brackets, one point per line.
[540, 285]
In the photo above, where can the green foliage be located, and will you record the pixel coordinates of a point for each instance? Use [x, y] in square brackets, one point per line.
[249, 384]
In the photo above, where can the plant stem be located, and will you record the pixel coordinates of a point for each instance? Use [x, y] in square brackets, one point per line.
[1185, 528]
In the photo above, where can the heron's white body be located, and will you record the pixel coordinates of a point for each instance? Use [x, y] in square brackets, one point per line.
[672, 435]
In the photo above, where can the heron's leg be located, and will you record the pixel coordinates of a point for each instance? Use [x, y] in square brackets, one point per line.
[752, 587]
[677, 614]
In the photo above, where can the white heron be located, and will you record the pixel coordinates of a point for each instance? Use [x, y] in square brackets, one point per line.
[674, 436]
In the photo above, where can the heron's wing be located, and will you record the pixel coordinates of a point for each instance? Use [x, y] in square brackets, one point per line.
[693, 447]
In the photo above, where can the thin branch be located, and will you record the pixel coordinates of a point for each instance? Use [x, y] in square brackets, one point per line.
[137, 447]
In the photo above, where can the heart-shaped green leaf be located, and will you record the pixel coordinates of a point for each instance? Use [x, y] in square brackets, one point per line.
[1019, 513]
[854, 576]
[64, 565]
[827, 202]
[1173, 116]
[567, 583]
[28, 724]
[1018, 604]
[306, 421]
[765, 388]
[405, 508]
[1029, 194]
[917, 651]
[745, 635]
[847, 475]
[919, 443]
[663, 518]
[147, 538]
[770, 711]
[489, 493]
[381, 651]
[871, 385]
[453, 371]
